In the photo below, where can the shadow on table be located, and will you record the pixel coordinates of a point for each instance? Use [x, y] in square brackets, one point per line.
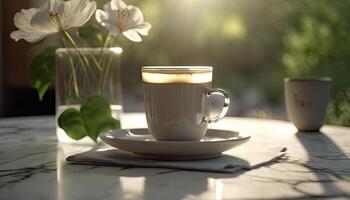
[325, 158]
[172, 183]
[178, 184]
[161, 183]
[158, 183]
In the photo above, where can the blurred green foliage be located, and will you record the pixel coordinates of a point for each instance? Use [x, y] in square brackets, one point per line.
[251, 44]
[320, 45]
[241, 39]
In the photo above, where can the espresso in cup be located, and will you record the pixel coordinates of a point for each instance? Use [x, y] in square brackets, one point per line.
[177, 101]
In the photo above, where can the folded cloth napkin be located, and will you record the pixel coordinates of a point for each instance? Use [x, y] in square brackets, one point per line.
[230, 162]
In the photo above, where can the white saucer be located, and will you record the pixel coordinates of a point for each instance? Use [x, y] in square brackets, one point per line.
[141, 143]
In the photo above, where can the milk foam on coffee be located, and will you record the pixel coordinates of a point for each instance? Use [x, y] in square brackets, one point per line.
[177, 75]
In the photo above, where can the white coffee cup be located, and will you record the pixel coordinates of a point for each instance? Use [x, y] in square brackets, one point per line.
[307, 101]
[177, 101]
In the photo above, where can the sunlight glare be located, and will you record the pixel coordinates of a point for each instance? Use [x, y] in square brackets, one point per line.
[233, 28]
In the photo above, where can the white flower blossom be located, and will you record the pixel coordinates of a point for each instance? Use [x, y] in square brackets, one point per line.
[118, 18]
[54, 16]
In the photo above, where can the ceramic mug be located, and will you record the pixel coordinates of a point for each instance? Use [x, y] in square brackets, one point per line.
[306, 101]
[177, 101]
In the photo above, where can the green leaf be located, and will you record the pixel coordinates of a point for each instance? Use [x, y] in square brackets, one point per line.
[97, 115]
[72, 123]
[42, 71]
[92, 35]
[94, 117]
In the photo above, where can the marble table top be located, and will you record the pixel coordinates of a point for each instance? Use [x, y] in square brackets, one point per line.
[32, 166]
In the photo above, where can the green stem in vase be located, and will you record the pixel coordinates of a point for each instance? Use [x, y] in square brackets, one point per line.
[82, 58]
[105, 45]
[105, 74]
[107, 41]
[97, 63]
[73, 74]
[76, 88]
[102, 78]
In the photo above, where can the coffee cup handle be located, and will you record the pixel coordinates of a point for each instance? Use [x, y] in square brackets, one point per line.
[218, 91]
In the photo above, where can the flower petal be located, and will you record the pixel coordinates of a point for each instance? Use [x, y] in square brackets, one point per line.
[77, 12]
[101, 16]
[135, 14]
[112, 7]
[23, 18]
[108, 8]
[29, 36]
[55, 5]
[135, 21]
[113, 30]
[132, 35]
[133, 25]
[143, 28]
[118, 5]
[105, 21]
[34, 23]
[42, 23]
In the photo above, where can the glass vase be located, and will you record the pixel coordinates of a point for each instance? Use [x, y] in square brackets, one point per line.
[86, 72]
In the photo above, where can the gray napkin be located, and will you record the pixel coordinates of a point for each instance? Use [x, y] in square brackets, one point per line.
[230, 162]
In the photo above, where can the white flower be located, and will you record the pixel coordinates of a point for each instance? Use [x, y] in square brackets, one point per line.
[118, 18]
[54, 16]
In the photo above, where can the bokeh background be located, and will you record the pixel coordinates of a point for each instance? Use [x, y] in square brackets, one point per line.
[253, 45]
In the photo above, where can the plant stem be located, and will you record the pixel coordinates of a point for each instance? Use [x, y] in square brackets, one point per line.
[71, 64]
[82, 58]
[107, 40]
[102, 61]
[76, 88]
[105, 74]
